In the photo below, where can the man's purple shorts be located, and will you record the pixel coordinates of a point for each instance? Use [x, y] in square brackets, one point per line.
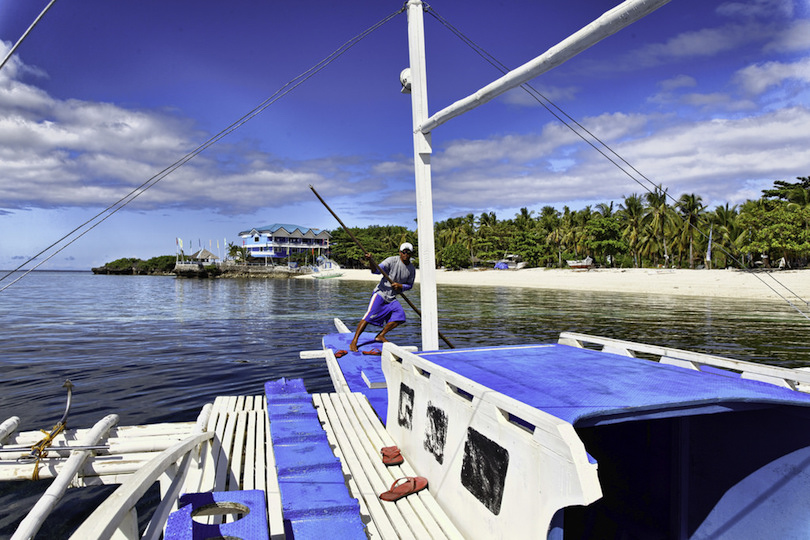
[379, 313]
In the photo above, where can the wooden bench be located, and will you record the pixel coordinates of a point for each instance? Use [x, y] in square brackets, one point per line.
[229, 453]
[357, 436]
[239, 457]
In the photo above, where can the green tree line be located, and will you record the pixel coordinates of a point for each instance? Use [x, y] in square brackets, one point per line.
[648, 230]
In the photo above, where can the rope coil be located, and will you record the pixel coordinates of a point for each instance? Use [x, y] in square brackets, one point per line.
[39, 450]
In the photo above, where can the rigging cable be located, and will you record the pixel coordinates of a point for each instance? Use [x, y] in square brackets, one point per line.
[132, 195]
[25, 34]
[542, 99]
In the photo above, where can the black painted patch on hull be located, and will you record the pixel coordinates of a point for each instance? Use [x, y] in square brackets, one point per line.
[483, 471]
[436, 432]
[405, 414]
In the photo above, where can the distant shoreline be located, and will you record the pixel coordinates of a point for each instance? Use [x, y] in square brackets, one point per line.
[691, 283]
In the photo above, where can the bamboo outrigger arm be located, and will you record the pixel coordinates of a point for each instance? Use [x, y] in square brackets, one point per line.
[608, 24]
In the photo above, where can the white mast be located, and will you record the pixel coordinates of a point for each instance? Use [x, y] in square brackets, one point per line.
[424, 194]
[609, 23]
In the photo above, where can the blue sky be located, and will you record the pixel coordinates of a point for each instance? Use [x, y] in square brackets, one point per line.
[711, 98]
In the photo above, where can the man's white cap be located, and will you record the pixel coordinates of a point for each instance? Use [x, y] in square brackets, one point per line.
[406, 245]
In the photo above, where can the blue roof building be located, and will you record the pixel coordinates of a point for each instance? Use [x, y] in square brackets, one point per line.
[284, 239]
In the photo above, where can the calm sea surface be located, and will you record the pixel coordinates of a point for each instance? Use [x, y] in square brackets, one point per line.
[156, 349]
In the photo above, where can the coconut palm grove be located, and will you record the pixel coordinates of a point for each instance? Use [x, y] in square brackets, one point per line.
[650, 230]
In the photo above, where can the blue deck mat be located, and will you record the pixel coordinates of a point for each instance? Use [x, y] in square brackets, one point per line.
[587, 387]
[314, 497]
[354, 364]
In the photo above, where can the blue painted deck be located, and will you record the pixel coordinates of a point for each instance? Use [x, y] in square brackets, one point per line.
[353, 365]
[581, 386]
[314, 497]
[588, 388]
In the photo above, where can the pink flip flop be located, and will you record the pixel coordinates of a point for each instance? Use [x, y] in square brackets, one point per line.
[391, 456]
[404, 487]
[340, 354]
[373, 352]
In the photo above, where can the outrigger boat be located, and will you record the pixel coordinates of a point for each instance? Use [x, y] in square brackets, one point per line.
[581, 264]
[584, 438]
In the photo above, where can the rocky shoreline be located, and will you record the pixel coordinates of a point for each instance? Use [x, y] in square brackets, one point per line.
[199, 271]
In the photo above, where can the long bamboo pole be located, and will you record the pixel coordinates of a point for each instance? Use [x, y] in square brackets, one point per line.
[372, 261]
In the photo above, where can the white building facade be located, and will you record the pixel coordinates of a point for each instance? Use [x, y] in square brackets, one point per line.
[283, 240]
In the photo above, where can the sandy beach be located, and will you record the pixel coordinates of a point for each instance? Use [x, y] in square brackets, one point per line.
[701, 283]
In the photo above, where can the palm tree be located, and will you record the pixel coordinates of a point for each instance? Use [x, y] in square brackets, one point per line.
[726, 231]
[660, 217]
[632, 216]
[691, 208]
[580, 237]
[524, 219]
[605, 209]
[549, 225]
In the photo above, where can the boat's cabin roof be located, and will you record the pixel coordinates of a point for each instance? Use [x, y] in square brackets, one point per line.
[588, 388]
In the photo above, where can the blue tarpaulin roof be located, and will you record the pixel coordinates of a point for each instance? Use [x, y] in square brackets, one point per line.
[581, 386]
[587, 387]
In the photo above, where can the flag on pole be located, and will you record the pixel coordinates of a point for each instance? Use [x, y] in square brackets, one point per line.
[709, 250]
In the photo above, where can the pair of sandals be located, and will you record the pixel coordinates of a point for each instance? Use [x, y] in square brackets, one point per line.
[404, 486]
[372, 352]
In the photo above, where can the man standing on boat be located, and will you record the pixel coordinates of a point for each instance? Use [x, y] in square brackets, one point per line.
[384, 309]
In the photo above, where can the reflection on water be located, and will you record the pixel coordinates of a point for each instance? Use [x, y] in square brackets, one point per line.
[155, 349]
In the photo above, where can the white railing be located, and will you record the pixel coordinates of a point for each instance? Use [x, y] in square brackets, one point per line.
[117, 513]
[548, 467]
[794, 379]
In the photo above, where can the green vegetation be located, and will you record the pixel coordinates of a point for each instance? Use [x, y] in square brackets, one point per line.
[644, 231]
[647, 230]
[163, 264]
[380, 241]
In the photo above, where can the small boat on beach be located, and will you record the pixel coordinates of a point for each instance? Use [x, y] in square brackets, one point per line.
[510, 262]
[581, 264]
[326, 269]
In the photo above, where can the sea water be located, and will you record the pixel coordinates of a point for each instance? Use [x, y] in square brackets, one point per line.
[156, 349]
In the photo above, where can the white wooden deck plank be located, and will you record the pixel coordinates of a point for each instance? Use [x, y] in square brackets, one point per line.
[381, 478]
[238, 452]
[369, 454]
[251, 457]
[217, 425]
[223, 460]
[381, 437]
[272, 490]
[360, 485]
[372, 530]
[389, 523]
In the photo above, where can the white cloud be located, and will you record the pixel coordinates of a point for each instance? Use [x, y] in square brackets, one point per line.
[73, 153]
[681, 81]
[756, 8]
[758, 78]
[704, 43]
[717, 159]
[792, 39]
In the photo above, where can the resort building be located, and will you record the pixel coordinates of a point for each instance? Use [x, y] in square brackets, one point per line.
[282, 240]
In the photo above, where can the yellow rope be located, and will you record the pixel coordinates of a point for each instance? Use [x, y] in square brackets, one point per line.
[39, 449]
